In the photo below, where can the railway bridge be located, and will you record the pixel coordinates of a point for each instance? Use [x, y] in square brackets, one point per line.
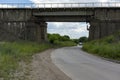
[28, 21]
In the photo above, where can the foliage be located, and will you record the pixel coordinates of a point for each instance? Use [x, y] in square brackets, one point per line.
[53, 37]
[59, 40]
[65, 43]
[108, 47]
[65, 38]
[83, 39]
[75, 40]
[12, 53]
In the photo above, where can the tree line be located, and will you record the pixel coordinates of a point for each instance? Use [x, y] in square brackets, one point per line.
[56, 38]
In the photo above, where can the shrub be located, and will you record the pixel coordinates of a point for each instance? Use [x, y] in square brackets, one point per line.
[105, 47]
[12, 53]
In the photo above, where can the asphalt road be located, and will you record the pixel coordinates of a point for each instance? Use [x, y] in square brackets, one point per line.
[80, 65]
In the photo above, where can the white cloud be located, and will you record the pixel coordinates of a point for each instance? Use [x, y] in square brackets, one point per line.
[69, 1]
[7, 6]
[74, 30]
[103, 0]
[72, 1]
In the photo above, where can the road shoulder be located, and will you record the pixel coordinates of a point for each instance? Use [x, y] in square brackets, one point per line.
[42, 68]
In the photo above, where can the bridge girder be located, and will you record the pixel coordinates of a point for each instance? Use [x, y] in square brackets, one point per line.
[102, 20]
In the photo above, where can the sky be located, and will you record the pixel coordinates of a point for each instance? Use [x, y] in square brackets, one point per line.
[74, 30]
[46, 1]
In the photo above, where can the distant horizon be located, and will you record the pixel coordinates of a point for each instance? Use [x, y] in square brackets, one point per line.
[68, 35]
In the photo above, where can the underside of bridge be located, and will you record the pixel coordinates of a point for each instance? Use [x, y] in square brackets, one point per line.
[30, 24]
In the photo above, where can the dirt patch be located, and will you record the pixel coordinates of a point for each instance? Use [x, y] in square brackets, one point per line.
[42, 68]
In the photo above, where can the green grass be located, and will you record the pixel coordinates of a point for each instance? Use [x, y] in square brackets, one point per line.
[108, 47]
[11, 53]
[65, 43]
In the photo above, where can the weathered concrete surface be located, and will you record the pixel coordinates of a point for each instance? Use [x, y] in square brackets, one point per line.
[104, 22]
[22, 25]
[100, 29]
[79, 65]
[6, 35]
[30, 24]
[15, 14]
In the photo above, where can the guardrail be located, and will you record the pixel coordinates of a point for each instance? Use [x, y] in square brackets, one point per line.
[59, 5]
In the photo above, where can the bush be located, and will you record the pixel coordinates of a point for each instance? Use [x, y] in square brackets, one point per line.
[83, 39]
[12, 53]
[61, 41]
[104, 47]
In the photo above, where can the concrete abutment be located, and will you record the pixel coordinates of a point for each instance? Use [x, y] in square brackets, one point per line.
[20, 24]
[35, 31]
[100, 29]
[30, 23]
[32, 31]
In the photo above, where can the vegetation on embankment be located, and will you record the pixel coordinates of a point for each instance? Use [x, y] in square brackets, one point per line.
[108, 47]
[61, 41]
[11, 53]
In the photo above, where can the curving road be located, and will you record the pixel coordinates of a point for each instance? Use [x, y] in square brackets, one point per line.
[79, 65]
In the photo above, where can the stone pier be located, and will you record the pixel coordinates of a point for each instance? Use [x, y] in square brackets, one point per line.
[100, 29]
[32, 31]
[20, 24]
[41, 31]
[36, 31]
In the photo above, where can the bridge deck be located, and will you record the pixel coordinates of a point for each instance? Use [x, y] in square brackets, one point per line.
[55, 9]
[60, 12]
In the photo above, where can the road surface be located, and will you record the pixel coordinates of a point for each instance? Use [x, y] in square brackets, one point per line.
[79, 65]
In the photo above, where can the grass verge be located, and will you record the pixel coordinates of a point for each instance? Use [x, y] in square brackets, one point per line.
[11, 53]
[65, 43]
[108, 47]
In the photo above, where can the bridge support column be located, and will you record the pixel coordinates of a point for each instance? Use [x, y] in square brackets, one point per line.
[41, 31]
[94, 32]
[29, 32]
[44, 30]
[36, 31]
[100, 29]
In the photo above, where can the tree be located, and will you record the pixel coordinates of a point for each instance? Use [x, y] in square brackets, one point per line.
[53, 37]
[65, 38]
[83, 39]
[75, 40]
[57, 37]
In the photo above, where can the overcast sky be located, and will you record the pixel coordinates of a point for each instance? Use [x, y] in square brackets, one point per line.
[51, 1]
[74, 30]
